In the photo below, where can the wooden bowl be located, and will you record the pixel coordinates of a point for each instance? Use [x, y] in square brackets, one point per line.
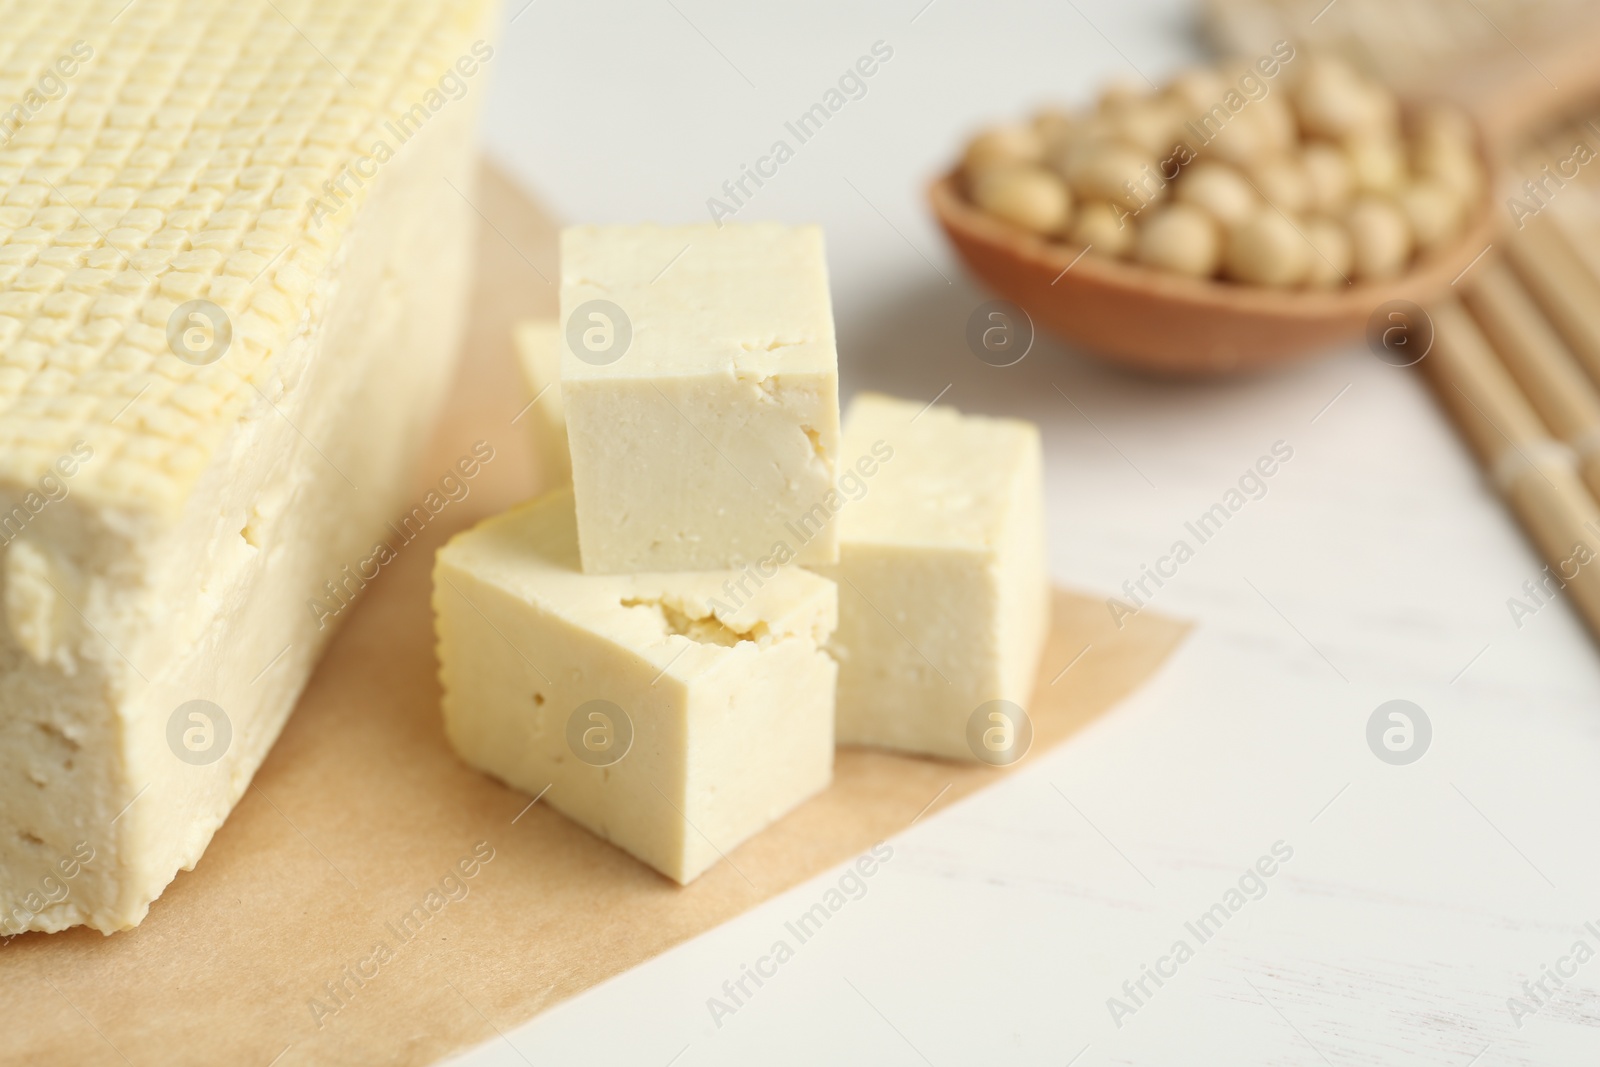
[1166, 323]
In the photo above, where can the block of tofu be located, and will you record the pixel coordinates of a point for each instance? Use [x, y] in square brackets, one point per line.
[227, 319]
[944, 596]
[661, 718]
[538, 344]
[700, 378]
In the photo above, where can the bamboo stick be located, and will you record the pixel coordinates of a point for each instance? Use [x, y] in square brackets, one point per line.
[1489, 410]
[1534, 472]
[1563, 288]
[1549, 376]
[1574, 218]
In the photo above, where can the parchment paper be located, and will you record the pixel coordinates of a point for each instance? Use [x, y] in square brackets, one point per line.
[362, 826]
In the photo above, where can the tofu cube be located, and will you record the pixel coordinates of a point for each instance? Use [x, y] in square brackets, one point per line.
[944, 594]
[661, 719]
[700, 379]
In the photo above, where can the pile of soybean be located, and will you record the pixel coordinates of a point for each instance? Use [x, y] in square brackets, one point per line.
[1290, 172]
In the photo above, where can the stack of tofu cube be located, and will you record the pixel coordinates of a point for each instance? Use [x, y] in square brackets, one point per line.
[669, 648]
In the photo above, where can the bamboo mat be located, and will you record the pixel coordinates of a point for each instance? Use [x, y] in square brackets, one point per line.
[1516, 359]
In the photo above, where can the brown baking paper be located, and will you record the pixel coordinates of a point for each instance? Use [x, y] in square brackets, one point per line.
[361, 812]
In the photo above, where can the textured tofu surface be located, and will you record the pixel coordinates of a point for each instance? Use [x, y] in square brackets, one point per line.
[730, 706]
[224, 151]
[711, 437]
[179, 165]
[943, 586]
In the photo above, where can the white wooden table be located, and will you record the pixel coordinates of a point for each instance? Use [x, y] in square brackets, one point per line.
[1376, 567]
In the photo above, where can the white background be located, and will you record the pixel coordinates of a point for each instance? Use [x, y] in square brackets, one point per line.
[1378, 567]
